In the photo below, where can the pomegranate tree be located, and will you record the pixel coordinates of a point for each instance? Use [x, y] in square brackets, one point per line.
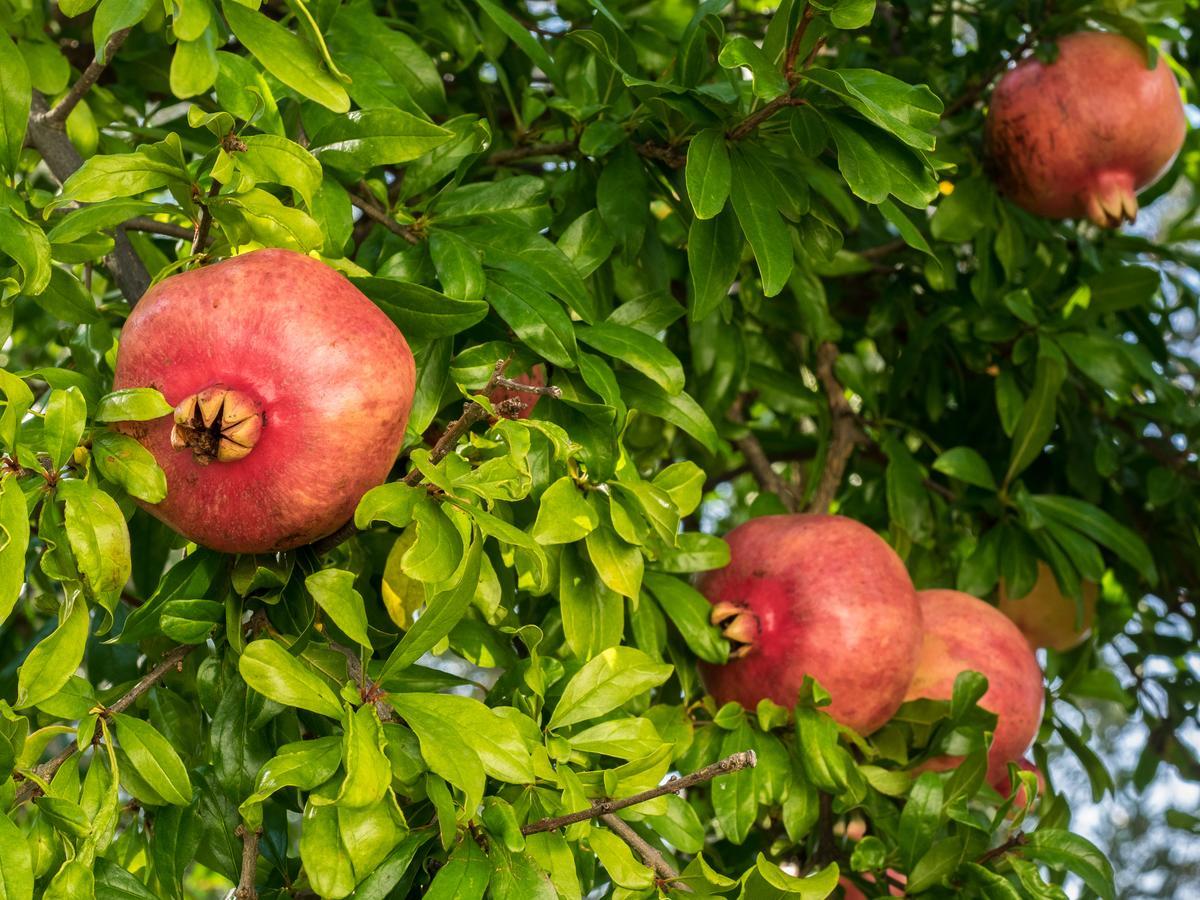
[1082, 135]
[291, 392]
[815, 595]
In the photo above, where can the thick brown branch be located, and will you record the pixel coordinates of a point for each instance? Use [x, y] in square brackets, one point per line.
[373, 212]
[735, 763]
[245, 887]
[845, 432]
[63, 160]
[758, 461]
[58, 116]
[648, 853]
[514, 154]
[173, 660]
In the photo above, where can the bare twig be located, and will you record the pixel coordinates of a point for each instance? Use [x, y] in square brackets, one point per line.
[57, 116]
[513, 154]
[245, 887]
[63, 160]
[793, 50]
[649, 854]
[845, 435]
[1016, 840]
[367, 689]
[153, 226]
[200, 239]
[371, 211]
[735, 763]
[173, 660]
[548, 390]
[758, 461]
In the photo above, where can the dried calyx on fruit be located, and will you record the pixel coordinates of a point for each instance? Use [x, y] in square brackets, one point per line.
[217, 424]
[739, 625]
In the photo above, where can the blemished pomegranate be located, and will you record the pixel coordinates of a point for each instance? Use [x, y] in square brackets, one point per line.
[1082, 135]
[291, 392]
[818, 595]
[963, 633]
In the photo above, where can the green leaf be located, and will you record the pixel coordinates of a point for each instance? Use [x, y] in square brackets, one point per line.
[459, 266]
[287, 57]
[619, 862]
[1098, 525]
[515, 201]
[14, 543]
[333, 590]
[124, 461]
[52, 662]
[564, 515]
[367, 138]
[438, 549]
[16, 865]
[421, 313]
[689, 611]
[63, 423]
[940, 862]
[132, 405]
[494, 737]
[15, 96]
[639, 350]
[519, 35]
[851, 14]
[769, 236]
[734, 798]
[99, 539]
[368, 773]
[967, 465]
[618, 563]
[614, 677]
[442, 745]
[268, 668]
[1062, 850]
[631, 738]
[859, 162]
[151, 167]
[156, 760]
[28, 245]
[769, 882]
[305, 765]
[534, 316]
[1037, 415]
[741, 52]
[465, 875]
[714, 251]
[920, 818]
[276, 160]
[708, 173]
[680, 410]
[593, 615]
[259, 216]
[195, 65]
[910, 112]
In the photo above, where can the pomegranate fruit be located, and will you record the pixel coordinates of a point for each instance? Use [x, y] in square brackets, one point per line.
[964, 634]
[1082, 135]
[535, 377]
[814, 595]
[291, 392]
[1046, 616]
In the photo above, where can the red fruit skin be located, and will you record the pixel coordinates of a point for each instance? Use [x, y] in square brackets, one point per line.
[535, 377]
[962, 634]
[334, 376]
[1081, 136]
[833, 600]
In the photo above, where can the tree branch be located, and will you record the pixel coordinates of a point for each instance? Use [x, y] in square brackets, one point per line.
[648, 853]
[793, 50]
[245, 886]
[845, 435]
[200, 239]
[735, 763]
[173, 660]
[758, 461]
[755, 119]
[1017, 840]
[367, 689]
[548, 390]
[63, 160]
[371, 211]
[153, 226]
[57, 117]
[513, 154]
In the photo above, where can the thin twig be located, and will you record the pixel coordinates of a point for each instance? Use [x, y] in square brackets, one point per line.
[367, 689]
[758, 461]
[845, 432]
[648, 853]
[548, 390]
[200, 239]
[793, 50]
[245, 887]
[755, 119]
[57, 116]
[173, 660]
[1017, 840]
[513, 154]
[881, 250]
[371, 211]
[153, 226]
[746, 759]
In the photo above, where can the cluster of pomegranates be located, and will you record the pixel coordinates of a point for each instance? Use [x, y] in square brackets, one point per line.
[825, 596]
[1080, 136]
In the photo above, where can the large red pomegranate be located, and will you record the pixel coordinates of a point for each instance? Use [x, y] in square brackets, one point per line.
[291, 392]
[818, 595]
[1082, 135]
[1046, 616]
[964, 634]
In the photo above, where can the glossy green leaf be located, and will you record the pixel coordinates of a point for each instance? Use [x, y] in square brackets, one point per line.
[268, 668]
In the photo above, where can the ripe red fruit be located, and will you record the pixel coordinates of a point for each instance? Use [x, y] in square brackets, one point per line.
[1046, 616]
[965, 634]
[291, 392]
[817, 595]
[1081, 136]
[535, 377]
